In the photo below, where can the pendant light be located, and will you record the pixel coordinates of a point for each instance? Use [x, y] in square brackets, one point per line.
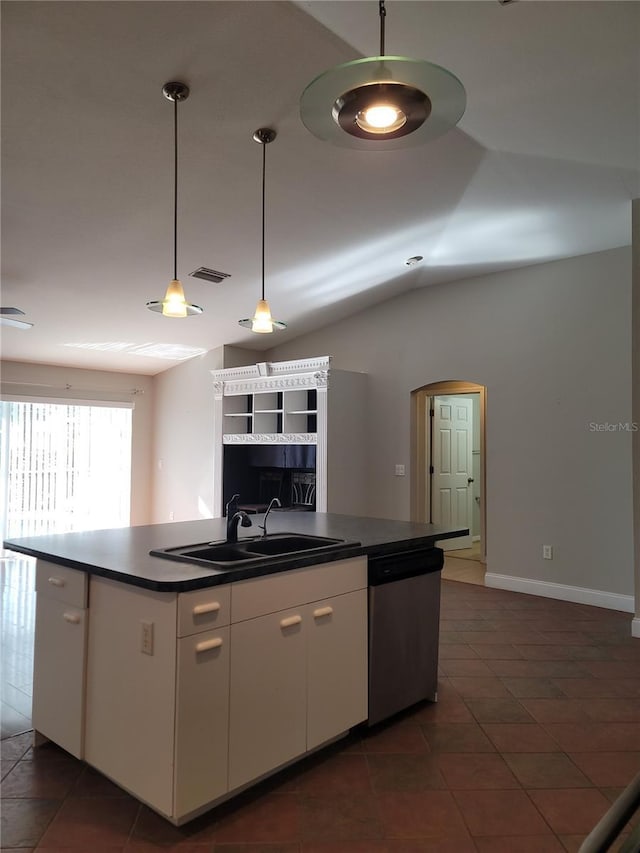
[262, 322]
[382, 102]
[174, 303]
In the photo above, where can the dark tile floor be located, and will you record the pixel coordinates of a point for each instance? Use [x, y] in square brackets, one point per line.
[536, 731]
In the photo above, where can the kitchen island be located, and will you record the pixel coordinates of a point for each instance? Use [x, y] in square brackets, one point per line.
[185, 684]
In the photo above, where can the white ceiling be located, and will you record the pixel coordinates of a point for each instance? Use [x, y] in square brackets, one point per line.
[542, 166]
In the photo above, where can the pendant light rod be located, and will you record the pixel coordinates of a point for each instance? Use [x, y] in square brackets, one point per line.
[264, 136]
[174, 303]
[175, 92]
[262, 321]
[383, 15]
[264, 170]
[175, 189]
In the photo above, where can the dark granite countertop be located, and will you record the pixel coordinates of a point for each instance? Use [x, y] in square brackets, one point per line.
[123, 553]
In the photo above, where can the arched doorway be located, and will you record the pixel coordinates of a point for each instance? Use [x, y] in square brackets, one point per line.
[424, 467]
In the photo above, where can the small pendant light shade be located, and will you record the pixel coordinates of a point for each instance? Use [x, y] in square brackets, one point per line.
[382, 102]
[262, 322]
[174, 303]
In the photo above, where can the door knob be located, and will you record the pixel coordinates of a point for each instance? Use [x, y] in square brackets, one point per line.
[470, 480]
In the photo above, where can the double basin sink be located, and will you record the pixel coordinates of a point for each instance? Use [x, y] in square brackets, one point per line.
[258, 549]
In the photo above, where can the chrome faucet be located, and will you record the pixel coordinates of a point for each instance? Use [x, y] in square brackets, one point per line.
[263, 526]
[235, 515]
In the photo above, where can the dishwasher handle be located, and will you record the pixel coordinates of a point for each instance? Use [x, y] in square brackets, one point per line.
[388, 568]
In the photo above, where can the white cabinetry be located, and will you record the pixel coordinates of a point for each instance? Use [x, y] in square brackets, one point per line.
[241, 679]
[336, 652]
[202, 719]
[303, 402]
[191, 696]
[298, 675]
[268, 695]
[157, 723]
[59, 655]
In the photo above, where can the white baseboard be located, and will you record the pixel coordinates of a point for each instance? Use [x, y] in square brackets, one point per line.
[635, 627]
[577, 594]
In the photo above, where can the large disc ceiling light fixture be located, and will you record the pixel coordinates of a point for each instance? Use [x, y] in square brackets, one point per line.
[174, 303]
[383, 102]
[262, 322]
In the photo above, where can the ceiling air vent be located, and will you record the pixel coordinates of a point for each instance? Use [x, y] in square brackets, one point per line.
[210, 275]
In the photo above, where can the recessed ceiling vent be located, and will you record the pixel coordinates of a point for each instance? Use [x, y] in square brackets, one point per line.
[210, 275]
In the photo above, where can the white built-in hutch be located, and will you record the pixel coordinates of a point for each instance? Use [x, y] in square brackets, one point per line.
[312, 417]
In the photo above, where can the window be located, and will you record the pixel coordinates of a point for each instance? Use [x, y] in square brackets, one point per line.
[64, 467]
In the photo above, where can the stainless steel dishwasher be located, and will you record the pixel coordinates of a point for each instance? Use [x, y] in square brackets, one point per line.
[404, 621]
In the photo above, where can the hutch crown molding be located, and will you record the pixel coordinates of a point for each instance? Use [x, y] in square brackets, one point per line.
[300, 402]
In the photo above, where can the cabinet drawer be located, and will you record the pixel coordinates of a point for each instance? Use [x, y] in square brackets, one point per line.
[61, 583]
[259, 596]
[203, 610]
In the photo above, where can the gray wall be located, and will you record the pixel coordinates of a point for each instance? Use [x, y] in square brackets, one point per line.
[636, 402]
[552, 345]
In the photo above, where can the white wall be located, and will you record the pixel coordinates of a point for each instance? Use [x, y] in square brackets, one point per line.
[183, 436]
[552, 344]
[41, 380]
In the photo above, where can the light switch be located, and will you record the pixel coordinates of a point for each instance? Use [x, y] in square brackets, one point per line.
[146, 638]
[399, 470]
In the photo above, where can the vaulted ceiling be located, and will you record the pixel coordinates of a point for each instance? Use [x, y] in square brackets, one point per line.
[543, 164]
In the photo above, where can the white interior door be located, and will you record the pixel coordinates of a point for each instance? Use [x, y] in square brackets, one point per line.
[452, 462]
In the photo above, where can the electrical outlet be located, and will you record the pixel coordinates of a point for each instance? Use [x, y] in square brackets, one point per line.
[146, 638]
[399, 470]
[547, 552]
[170, 515]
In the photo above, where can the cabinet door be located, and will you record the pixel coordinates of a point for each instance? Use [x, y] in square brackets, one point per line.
[131, 688]
[202, 720]
[336, 665]
[267, 694]
[59, 673]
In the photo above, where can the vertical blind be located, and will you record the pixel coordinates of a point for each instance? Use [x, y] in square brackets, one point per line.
[65, 467]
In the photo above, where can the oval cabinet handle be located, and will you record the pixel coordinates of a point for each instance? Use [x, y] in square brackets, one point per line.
[205, 645]
[322, 611]
[56, 581]
[73, 618]
[209, 607]
[289, 621]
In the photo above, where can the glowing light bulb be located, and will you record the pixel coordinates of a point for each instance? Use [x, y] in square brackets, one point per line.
[380, 118]
[174, 304]
[381, 115]
[262, 321]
